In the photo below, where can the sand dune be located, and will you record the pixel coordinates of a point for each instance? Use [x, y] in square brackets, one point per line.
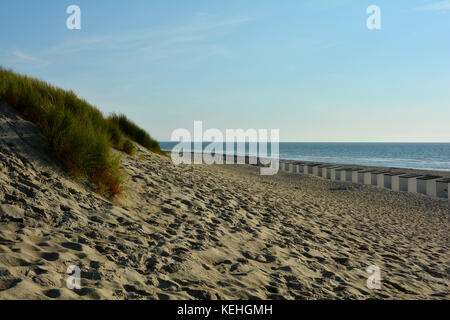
[209, 232]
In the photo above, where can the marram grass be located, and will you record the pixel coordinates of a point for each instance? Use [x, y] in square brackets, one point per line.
[134, 132]
[77, 133]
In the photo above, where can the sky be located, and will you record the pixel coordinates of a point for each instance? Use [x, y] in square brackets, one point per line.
[310, 68]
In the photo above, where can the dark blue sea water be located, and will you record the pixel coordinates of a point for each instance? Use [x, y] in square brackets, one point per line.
[433, 156]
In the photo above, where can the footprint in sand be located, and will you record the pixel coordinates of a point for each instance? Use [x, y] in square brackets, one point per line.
[50, 256]
[72, 246]
[88, 292]
[53, 293]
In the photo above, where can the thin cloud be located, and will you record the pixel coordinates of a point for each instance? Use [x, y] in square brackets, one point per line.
[437, 6]
[194, 41]
[25, 57]
[139, 40]
[22, 57]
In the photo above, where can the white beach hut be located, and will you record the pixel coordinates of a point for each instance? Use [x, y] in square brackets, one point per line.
[298, 167]
[412, 183]
[305, 168]
[338, 174]
[374, 176]
[389, 180]
[326, 172]
[294, 168]
[311, 167]
[322, 171]
[315, 170]
[443, 188]
[403, 183]
[367, 176]
[358, 176]
[334, 173]
[396, 182]
[427, 185]
[290, 167]
[343, 174]
[408, 183]
[355, 176]
[349, 174]
[382, 178]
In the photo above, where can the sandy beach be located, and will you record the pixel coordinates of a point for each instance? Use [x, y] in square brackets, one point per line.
[209, 232]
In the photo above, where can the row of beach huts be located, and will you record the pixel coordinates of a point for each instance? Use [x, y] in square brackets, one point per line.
[431, 185]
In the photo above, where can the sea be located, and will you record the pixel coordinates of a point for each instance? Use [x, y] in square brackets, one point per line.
[427, 156]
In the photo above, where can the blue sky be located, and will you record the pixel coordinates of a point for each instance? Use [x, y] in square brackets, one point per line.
[310, 68]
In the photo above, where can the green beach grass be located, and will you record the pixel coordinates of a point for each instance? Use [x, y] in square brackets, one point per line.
[77, 133]
[134, 132]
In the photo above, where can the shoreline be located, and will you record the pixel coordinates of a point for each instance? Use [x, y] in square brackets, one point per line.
[410, 155]
[423, 172]
[431, 183]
